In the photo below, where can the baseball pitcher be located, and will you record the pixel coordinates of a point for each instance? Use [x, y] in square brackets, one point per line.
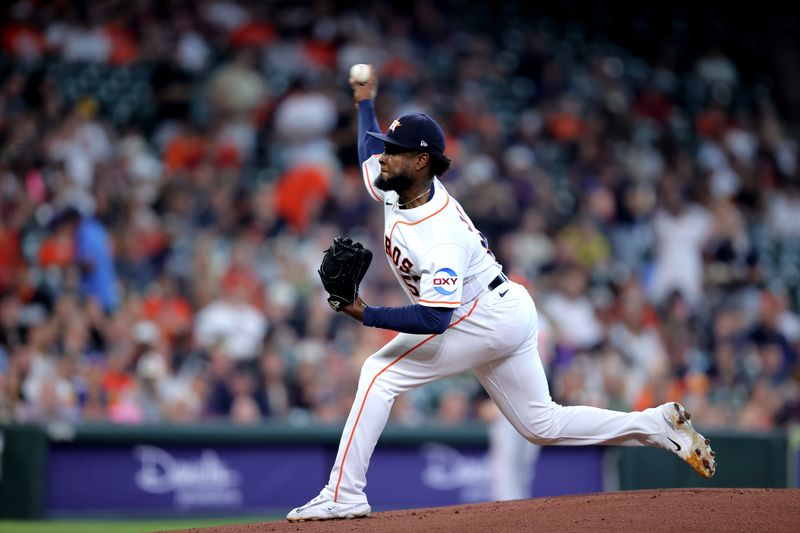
[464, 314]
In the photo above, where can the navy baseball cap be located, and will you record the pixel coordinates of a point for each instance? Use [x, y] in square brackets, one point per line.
[415, 131]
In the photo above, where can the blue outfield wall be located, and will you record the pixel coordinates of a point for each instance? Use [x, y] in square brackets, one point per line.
[134, 479]
[102, 470]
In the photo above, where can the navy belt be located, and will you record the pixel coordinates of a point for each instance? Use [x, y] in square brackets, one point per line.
[496, 282]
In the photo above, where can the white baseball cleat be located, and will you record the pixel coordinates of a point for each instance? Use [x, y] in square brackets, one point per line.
[323, 508]
[685, 442]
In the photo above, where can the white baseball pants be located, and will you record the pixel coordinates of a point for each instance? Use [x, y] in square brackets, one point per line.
[496, 337]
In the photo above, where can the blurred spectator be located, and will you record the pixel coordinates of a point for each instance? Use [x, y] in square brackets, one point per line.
[13, 332]
[732, 259]
[80, 144]
[237, 89]
[453, 408]
[681, 231]
[166, 307]
[529, 248]
[572, 312]
[275, 392]
[583, 244]
[92, 254]
[232, 320]
[303, 121]
[21, 39]
[150, 371]
[185, 150]
[778, 355]
[245, 410]
[717, 70]
[631, 231]
[300, 195]
[12, 264]
[762, 409]
[783, 206]
[636, 334]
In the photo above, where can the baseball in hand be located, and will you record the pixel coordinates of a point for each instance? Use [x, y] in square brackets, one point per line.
[360, 73]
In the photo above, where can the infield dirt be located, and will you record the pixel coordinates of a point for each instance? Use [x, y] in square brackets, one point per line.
[673, 511]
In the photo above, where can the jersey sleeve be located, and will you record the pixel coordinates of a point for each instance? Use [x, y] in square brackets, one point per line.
[367, 121]
[442, 276]
[369, 148]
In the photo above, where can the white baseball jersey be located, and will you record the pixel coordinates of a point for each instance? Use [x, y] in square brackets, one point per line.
[441, 260]
[434, 250]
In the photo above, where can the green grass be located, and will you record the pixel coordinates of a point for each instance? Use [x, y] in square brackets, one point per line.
[117, 526]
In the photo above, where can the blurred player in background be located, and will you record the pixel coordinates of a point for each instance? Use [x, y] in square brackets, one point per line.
[512, 458]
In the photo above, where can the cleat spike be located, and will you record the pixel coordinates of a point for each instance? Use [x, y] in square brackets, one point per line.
[697, 451]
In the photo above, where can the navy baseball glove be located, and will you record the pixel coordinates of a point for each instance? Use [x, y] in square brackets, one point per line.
[343, 267]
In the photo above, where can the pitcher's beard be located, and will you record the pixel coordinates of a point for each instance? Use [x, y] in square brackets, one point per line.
[398, 183]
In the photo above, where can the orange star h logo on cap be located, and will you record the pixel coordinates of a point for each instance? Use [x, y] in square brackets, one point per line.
[394, 125]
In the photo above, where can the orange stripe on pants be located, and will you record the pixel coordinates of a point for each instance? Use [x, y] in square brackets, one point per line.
[371, 383]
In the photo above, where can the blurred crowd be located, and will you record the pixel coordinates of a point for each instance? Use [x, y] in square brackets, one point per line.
[172, 171]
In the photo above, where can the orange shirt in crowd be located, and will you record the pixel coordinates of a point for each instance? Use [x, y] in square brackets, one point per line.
[321, 53]
[173, 314]
[123, 44]
[253, 34]
[245, 283]
[11, 262]
[184, 152]
[299, 191]
[56, 251]
[649, 397]
[115, 383]
[21, 39]
[565, 127]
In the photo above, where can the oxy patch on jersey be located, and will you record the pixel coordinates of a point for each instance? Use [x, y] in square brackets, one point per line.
[444, 281]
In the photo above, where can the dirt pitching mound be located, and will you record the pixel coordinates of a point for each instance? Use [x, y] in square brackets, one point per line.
[676, 510]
